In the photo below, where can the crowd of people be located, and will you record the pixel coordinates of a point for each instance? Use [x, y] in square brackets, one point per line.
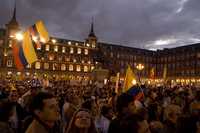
[29, 107]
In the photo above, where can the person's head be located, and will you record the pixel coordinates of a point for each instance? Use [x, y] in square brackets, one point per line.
[172, 112]
[13, 96]
[135, 124]
[125, 104]
[107, 112]
[81, 121]
[45, 106]
[6, 109]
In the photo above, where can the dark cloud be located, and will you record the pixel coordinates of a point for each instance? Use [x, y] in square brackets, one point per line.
[136, 23]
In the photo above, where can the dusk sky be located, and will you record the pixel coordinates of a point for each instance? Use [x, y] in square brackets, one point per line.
[149, 24]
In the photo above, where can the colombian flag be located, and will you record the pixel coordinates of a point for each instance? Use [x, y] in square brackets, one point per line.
[17, 60]
[129, 79]
[28, 49]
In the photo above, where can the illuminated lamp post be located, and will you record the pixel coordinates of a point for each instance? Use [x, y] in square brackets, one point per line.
[139, 67]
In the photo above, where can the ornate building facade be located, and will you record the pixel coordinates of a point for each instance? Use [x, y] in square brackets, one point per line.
[70, 59]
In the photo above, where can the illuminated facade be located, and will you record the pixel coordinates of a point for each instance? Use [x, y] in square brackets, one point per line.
[75, 60]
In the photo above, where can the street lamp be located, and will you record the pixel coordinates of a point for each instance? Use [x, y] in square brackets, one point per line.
[139, 67]
[19, 36]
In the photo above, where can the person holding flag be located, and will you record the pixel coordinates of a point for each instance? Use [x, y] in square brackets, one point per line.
[131, 87]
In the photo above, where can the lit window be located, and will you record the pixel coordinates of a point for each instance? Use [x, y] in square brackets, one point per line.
[71, 68]
[37, 65]
[76, 44]
[54, 41]
[38, 46]
[69, 43]
[28, 66]
[1, 42]
[47, 47]
[60, 58]
[55, 66]
[51, 57]
[71, 50]
[56, 48]
[89, 62]
[9, 72]
[9, 63]
[85, 68]
[63, 67]
[18, 73]
[46, 65]
[67, 59]
[63, 49]
[86, 52]
[82, 61]
[78, 68]
[10, 44]
[93, 45]
[27, 73]
[79, 51]
[88, 44]
[74, 60]
[92, 68]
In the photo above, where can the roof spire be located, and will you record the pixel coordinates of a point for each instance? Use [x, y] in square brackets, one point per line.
[14, 13]
[92, 34]
[13, 21]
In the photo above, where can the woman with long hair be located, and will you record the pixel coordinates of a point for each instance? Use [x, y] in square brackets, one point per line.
[82, 122]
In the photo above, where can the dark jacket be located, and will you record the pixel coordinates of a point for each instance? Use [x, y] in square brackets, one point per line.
[5, 128]
[39, 127]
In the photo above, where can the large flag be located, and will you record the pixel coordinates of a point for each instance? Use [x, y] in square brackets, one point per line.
[42, 31]
[28, 49]
[129, 79]
[165, 72]
[15, 50]
[152, 73]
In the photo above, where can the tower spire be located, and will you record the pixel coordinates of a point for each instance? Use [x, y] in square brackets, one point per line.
[14, 13]
[92, 34]
[13, 21]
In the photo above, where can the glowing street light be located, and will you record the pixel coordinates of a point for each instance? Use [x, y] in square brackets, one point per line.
[35, 38]
[53, 40]
[19, 36]
[43, 40]
[140, 67]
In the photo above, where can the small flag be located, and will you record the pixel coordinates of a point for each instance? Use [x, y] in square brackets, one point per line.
[152, 73]
[42, 31]
[165, 72]
[28, 49]
[35, 36]
[129, 79]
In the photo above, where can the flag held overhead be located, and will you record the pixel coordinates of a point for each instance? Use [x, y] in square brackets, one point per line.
[130, 79]
[42, 31]
[28, 49]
